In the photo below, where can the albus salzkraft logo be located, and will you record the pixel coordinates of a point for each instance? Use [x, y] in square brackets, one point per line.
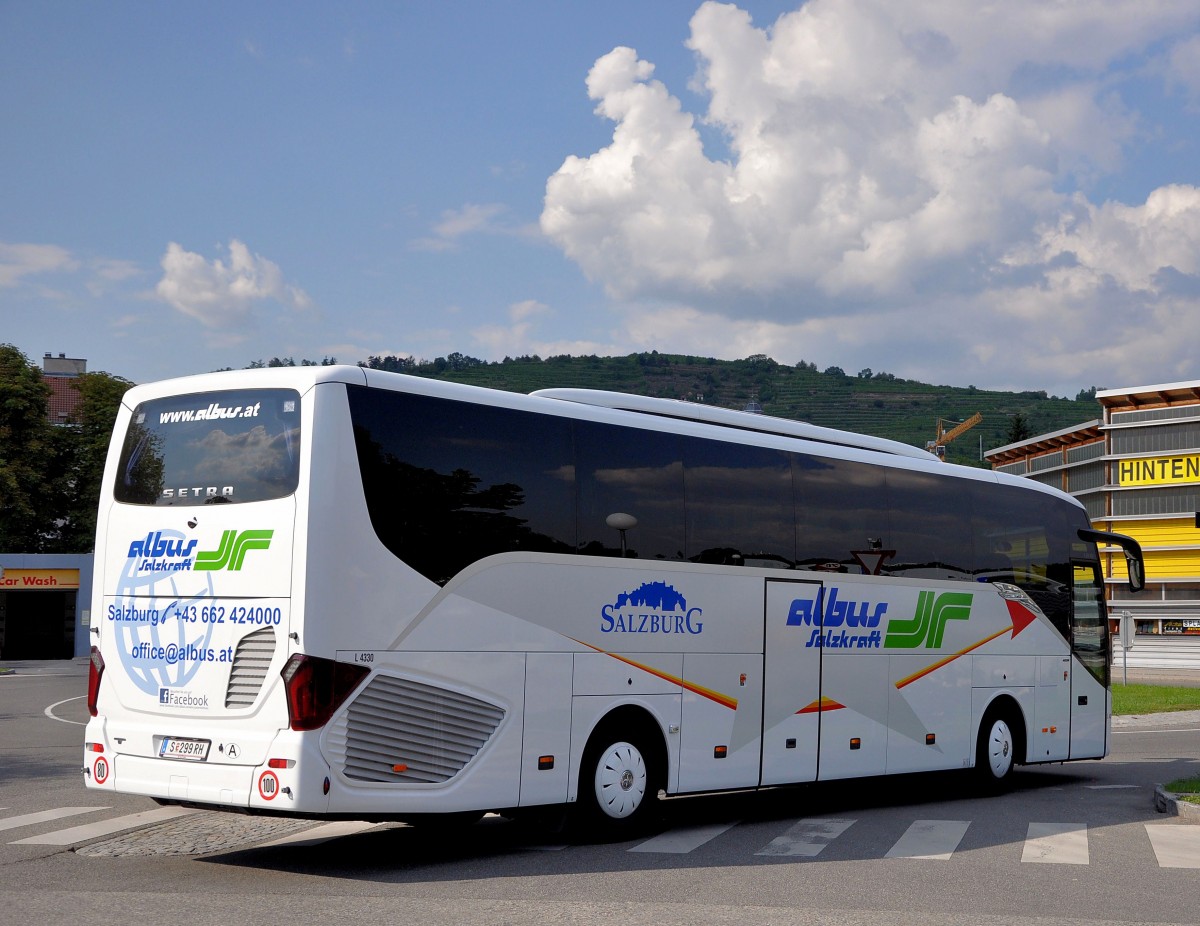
[162, 610]
[837, 622]
[654, 607]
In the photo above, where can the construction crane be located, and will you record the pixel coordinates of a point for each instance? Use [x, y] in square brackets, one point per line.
[937, 446]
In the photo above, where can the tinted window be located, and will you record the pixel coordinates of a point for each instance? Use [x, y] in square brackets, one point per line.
[633, 472]
[1030, 540]
[448, 483]
[841, 511]
[211, 448]
[739, 505]
[931, 525]
[1089, 620]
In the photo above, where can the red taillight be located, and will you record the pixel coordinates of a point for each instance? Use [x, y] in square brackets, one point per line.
[316, 688]
[95, 673]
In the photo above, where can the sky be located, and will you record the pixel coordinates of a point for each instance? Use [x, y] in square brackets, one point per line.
[1004, 195]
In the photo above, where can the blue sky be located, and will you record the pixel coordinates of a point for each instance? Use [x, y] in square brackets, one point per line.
[998, 195]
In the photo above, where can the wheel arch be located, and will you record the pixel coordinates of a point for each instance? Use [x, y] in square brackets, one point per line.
[1005, 705]
[632, 719]
[653, 715]
[627, 721]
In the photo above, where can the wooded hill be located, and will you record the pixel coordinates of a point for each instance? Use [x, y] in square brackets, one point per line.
[867, 402]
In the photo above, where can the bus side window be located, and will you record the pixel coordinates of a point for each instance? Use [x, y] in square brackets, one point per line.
[633, 472]
[739, 505]
[841, 507]
[448, 483]
[931, 526]
[1020, 535]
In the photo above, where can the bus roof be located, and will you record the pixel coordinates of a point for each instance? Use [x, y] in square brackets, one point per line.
[728, 418]
[305, 377]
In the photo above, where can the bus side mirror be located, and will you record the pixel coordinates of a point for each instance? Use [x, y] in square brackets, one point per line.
[1137, 570]
[1135, 564]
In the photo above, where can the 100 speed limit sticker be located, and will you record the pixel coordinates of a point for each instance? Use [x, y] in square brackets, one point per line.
[268, 785]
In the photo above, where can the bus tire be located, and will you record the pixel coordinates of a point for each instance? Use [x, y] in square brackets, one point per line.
[996, 748]
[619, 782]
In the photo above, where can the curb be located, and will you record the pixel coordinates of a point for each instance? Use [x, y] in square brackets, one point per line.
[1168, 803]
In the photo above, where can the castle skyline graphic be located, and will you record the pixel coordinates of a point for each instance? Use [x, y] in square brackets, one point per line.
[657, 595]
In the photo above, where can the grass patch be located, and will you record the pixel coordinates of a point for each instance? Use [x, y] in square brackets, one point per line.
[1188, 789]
[1153, 699]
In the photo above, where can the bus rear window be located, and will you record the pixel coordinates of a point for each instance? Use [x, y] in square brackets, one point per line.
[211, 448]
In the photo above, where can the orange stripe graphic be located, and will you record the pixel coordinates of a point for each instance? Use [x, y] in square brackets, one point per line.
[949, 659]
[723, 699]
[823, 704]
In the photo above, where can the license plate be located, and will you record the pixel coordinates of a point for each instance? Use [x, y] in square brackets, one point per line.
[178, 747]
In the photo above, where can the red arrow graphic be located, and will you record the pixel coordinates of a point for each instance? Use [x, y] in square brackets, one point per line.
[1021, 618]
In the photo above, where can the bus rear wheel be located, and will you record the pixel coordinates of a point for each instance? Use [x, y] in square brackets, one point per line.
[619, 783]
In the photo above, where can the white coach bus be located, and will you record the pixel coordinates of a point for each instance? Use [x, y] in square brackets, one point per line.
[333, 591]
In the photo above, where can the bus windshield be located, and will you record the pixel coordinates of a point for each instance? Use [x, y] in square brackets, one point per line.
[211, 448]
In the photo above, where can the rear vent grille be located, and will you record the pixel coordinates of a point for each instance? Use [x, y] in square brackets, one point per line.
[404, 731]
[250, 664]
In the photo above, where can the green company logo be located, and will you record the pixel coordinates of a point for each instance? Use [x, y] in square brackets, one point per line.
[929, 623]
[234, 547]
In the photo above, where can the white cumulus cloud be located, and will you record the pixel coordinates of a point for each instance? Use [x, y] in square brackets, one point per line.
[222, 294]
[19, 260]
[903, 161]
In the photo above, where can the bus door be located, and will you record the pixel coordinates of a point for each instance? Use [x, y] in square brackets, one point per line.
[792, 694]
[1089, 667]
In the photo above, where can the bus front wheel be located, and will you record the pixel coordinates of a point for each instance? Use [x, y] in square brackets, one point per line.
[995, 753]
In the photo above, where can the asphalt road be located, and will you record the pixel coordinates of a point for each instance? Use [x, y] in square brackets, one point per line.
[1074, 843]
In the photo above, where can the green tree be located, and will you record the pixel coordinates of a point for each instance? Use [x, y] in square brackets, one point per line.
[88, 436]
[1018, 429]
[30, 463]
[50, 474]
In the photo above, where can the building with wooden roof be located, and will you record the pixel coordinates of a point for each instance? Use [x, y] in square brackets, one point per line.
[1137, 471]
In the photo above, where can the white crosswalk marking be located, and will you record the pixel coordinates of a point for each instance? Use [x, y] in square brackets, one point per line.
[44, 816]
[930, 839]
[807, 838]
[104, 827]
[1056, 844]
[682, 841]
[1175, 845]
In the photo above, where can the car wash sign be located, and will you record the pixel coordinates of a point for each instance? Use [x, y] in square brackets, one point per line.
[33, 580]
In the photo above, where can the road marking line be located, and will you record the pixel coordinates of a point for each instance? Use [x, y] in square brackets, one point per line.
[44, 816]
[930, 839]
[682, 841]
[104, 827]
[1168, 730]
[49, 712]
[1175, 845]
[1056, 844]
[806, 838]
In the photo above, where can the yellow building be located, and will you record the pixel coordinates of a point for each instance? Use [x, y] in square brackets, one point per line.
[1137, 471]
